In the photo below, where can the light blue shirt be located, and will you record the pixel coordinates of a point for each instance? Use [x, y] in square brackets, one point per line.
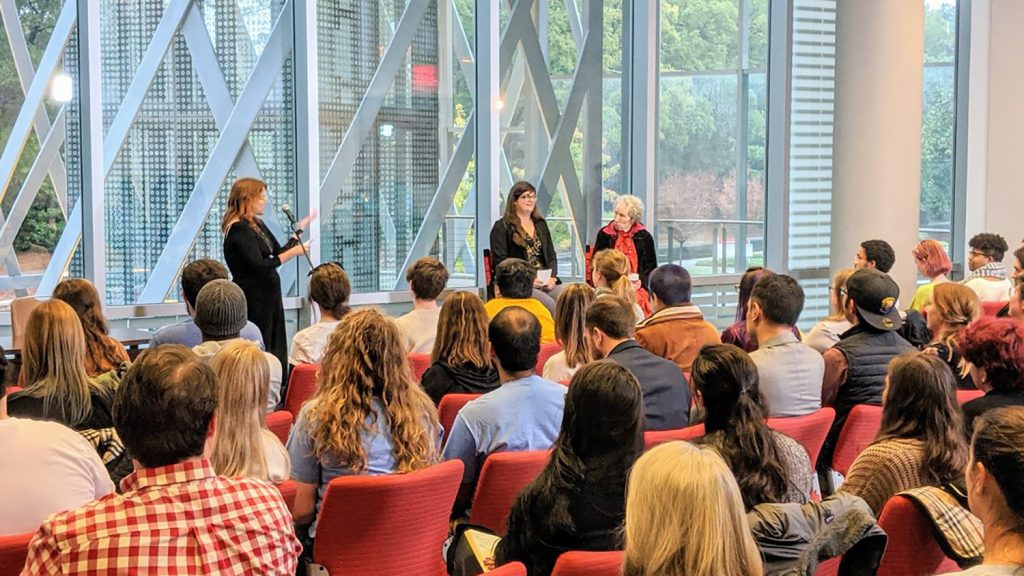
[524, 414]
[187, 334]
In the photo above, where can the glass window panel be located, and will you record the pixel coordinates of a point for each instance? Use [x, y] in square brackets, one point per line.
[938, 121]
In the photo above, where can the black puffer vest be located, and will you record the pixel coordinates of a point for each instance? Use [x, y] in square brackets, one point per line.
[868, 353]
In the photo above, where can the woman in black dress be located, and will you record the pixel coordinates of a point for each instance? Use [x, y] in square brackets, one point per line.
[253, 256]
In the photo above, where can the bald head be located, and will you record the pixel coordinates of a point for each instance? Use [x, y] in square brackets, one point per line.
[515, 338]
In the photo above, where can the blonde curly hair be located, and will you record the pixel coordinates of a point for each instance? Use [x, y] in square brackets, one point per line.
[633, 205]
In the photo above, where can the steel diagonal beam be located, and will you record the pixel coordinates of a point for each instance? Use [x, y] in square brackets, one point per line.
[230, 142]
[575, 25]
[35, 94]
[463, 52]
[26, 71]
[373, 99]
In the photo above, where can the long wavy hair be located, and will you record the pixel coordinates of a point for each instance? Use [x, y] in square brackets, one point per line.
[685, 517]
[957, 306]
[511, 218]
[243, 376]
[462, 332]
[571, 325]
[53, 363]
[364, 362]
[727, 380]
[614, 266]
[241, 203]
[751, 277]
[101, 349]
[920, 404]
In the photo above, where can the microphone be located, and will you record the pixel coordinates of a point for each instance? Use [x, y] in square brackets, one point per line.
[288, 212]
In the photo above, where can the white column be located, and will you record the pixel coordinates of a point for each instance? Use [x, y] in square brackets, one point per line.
[877, 145]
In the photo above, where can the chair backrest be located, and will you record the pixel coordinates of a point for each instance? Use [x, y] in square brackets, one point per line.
[13, 551]
[654, 437]
[390, 525]
[809, 430]
[13, 389]
[510, 569]
[964, 396]
[488, 266]
[21, 308]
[280, 423]
[992, 308]
[588, 267]
[288, 490]
[301, 385]
[860, 429]
[912, 549]
[419, 364]
[449, 408]
[502, 477]
[546, 351]
[579, 563]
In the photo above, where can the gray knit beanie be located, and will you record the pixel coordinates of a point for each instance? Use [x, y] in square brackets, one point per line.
[221, 309]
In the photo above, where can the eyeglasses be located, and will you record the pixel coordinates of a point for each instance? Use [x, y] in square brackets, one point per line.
[321, 265]
[981, 254]
[527, 195]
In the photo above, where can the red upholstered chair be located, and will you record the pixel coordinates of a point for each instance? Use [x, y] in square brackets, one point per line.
[992, 308]
[964, 396]
[510, 569]
[654, 437]
[809, 430]
[419, 364]
[859, 430]
[288, 490]
[280, 423]
[13, 550]
[449, 408]
[488, 267]
[391, 525]
[13, 389]
[588, 268]
[502, 477]
[912, 549]
[546, 351]
[301, 385]
[578, 563]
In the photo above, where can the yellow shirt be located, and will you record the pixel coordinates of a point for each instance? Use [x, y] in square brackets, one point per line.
[533, 306]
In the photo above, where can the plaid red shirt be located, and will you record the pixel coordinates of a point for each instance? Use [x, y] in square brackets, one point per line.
[178, 519]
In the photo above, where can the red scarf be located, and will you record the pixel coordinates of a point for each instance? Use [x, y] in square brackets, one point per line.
[624, 242]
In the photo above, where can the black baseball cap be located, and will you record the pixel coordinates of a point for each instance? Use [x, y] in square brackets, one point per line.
[875, 295]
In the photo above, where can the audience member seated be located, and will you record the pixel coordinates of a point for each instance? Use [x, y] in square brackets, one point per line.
[44, 468]
[102, 353]
[427, 278]
[57, 387]
[1018, 278]
[626, 234]
[243, 445]
[513, 286]
[329, 289]
[368, 416]
[988, 273]
[194, 276]
[995, 493]
[826, 333]
[525, 413]
[685, 516]
[875, 254]
[1015, 307]
[202, 523]
[571, 333]
[677, 330]
[221, 315]
[951, 308]
[579, 501]
[461, 359]
[611, 277]
[736, 333]
[769, 466]
[995, 350]
[789, 371]
[666, 392]
[933, 264]
[921, 440]
[855, 368]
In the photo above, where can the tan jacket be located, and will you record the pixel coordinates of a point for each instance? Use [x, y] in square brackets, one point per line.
[677, 333]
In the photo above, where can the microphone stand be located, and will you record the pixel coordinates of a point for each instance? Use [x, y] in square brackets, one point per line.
[297, 234]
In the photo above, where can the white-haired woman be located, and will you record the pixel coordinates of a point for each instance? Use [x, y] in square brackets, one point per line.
[626, 234]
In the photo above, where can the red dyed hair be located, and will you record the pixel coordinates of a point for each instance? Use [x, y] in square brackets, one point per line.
[997, 346]
[934, 257]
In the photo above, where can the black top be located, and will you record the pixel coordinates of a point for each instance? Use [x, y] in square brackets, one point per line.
[442, 378]
[666, 392]
[22, 405]
[597, 510]
[646, 253]
[253, 258]
[951, 356]
[503, 247]
[992, 399]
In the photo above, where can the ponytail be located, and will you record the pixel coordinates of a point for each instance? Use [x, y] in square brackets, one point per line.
[614, 266]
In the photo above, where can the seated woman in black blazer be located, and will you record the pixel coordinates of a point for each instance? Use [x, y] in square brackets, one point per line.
[626, 234]
[579, 500]
[523, 233]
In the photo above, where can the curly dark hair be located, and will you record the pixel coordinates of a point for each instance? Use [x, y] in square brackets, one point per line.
[992, 245]
[879, 252]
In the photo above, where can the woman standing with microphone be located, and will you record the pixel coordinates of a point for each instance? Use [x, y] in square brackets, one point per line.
[253, 255]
